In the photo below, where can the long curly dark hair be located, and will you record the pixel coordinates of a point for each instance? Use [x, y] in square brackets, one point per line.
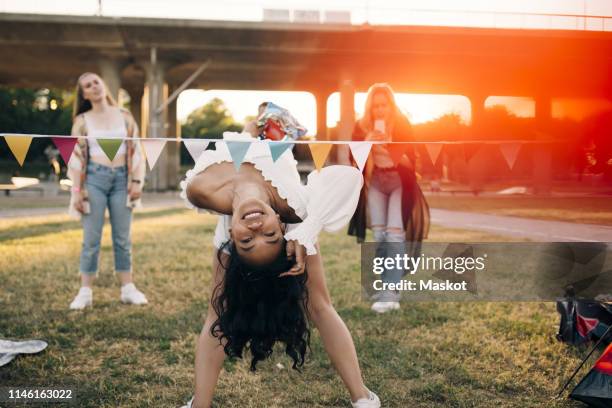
[256, 309]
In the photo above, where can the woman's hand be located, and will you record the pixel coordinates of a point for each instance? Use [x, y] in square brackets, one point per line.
[78, 204]
[295, 249]
[376, 136]
[135, 195]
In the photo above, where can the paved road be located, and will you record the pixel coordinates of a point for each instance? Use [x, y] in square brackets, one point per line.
[537, 230]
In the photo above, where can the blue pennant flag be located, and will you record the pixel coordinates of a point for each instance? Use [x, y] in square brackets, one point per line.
[238, 151]
[278, 148]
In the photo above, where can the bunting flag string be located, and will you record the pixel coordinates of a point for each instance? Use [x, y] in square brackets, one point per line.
[319, 153]
[195, 147]
[153, 149]
[19, 145]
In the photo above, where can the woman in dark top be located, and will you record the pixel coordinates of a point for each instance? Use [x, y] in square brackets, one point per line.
[391, 202]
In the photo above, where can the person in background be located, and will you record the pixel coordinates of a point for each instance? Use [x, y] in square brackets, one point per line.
[99, 183]
[391, 198]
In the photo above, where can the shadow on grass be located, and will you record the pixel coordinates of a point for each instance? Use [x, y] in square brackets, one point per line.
[55, 227]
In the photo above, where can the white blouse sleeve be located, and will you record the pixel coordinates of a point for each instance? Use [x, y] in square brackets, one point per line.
[332, 194]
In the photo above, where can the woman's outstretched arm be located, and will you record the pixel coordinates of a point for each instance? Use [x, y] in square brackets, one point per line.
[209, 352]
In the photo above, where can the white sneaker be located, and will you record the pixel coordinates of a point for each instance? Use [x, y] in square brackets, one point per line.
[383, 307]
[83, 299]
[189, 404]
[371, 402]
[131, 295]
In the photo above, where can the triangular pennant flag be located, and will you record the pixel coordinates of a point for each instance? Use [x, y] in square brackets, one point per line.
[433, 150]
[360, 151]
[19, 146]
[110, 147]
[65, 145]
[469, 150]
[153, 149]
[278, 148]
[195, 147]
[397, 151]
[319, 152]
[238, 151]
[510, 152]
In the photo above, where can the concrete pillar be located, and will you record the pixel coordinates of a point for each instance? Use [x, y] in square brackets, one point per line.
[477, 104]
[136, 95]
[173, 147]
[321, 98]
[542, 160]
[157, 92]
[347, 116]
[110, 72]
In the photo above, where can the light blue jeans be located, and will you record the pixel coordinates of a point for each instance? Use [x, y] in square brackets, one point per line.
[107, 187]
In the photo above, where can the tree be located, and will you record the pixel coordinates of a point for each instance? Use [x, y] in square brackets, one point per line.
[208, 122]
[34, 111]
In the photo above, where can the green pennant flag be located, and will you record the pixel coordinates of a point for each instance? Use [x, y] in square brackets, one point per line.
[110, 147]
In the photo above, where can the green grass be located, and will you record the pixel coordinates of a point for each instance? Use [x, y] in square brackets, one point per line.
[590, 210]
[426, 355]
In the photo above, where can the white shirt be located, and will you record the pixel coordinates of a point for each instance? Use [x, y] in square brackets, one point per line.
[119, 131]
[327, 202]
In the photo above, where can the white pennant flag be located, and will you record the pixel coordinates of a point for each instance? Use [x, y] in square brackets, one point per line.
[153, 149]
[195, 147]
[360, 151]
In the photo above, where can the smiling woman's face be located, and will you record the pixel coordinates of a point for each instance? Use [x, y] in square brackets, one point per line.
[257, 232]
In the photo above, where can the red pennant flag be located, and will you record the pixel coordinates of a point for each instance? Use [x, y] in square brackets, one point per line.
[397, 151]
[510, 152]
[65, 145]
[433, 150]
[469, 150]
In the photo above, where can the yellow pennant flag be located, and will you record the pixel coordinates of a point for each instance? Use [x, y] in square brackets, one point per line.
[319, 152]
[19, 146]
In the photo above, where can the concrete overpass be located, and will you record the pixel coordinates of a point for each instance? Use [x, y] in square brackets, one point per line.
[51, 51]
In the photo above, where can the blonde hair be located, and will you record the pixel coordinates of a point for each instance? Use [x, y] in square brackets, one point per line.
[367, 121]
[83, 105]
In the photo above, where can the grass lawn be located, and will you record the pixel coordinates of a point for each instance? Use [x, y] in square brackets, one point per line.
[426, 355]
[590, 210]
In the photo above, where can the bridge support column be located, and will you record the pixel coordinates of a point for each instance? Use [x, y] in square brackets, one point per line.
[110, 72]
[136, 95]
[157, 92]
[477, 103]
[173, 148]
[542, 160]
[347, 116]
[321, 98]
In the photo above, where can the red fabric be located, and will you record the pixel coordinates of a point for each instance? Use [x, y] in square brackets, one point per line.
[585, 325]
[604, 363]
